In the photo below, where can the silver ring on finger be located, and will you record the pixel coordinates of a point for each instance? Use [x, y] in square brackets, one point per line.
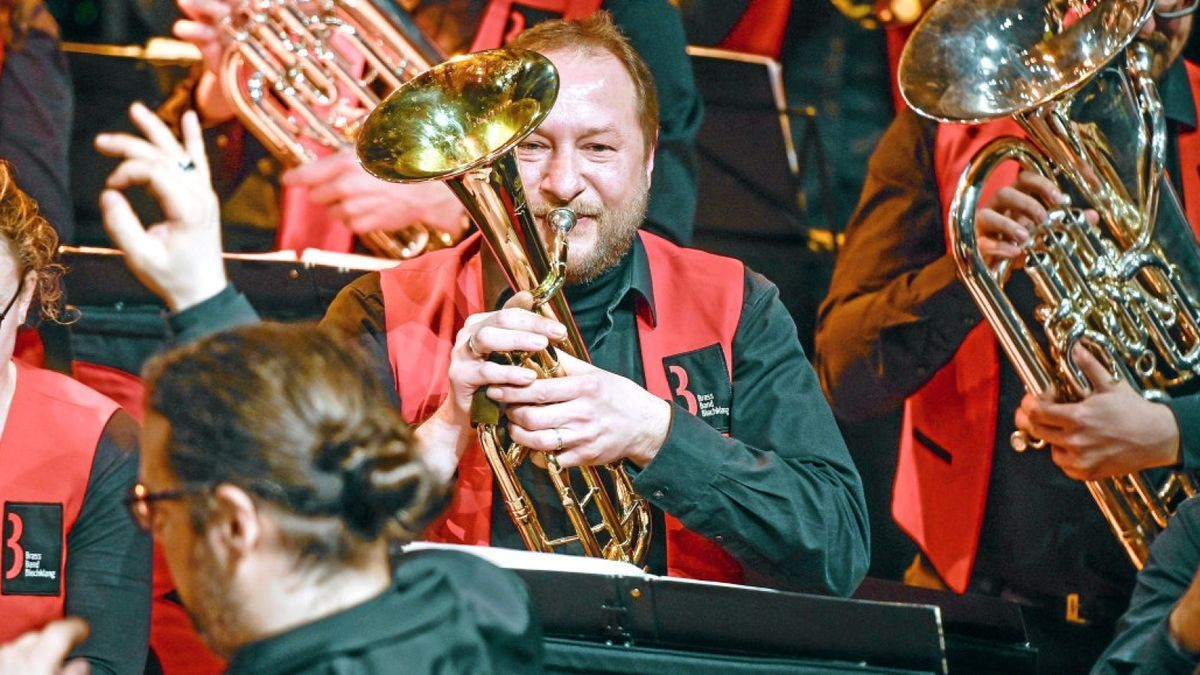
[558, 447]
[186, 166]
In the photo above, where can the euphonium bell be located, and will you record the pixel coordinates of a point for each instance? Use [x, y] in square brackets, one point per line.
[302, 73]
[459, 122]
[1074, 77]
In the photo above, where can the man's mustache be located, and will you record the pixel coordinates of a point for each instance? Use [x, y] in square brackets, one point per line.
[581, 209]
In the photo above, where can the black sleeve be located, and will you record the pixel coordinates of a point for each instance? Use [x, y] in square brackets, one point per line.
[655, 29]
[108, 562]
[36, 110]
[895, 312]
[357, 313]
[1143, 643]
[1187, 415]
[781, 494]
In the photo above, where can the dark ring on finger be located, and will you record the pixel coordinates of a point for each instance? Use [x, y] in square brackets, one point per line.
[189, 165]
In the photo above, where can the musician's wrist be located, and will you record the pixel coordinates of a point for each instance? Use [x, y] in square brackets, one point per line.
[210, 102]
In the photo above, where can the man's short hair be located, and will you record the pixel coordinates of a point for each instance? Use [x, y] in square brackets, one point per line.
[295, 417]
[598, 33]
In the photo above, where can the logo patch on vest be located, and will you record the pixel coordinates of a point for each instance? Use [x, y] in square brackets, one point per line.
[31, 563]
[699, 382]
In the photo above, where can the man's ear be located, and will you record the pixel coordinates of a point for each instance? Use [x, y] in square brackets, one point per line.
[234, 523]
[650, 157]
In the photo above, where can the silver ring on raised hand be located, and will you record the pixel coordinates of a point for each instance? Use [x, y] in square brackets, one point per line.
[189, 165]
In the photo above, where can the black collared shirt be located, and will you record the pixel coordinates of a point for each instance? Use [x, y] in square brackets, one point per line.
[780, 494]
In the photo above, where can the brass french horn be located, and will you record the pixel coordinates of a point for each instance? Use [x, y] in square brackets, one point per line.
[459, 122]
[1078, 82]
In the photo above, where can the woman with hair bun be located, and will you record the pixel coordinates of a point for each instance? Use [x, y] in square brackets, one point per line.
[277, 476]
[67, 457]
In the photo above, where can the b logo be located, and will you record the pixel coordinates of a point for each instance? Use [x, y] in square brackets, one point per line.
[681, 390]
[32, 555]
[699, 382]
[12, 543]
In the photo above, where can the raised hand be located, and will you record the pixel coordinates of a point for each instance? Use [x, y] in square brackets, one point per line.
[178, 258]
[1113, 431]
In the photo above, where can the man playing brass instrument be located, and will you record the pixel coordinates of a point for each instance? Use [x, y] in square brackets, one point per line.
[902, 330]
[699, 385]
[336, 189]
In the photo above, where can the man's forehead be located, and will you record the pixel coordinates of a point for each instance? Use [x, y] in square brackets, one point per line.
[590, 69]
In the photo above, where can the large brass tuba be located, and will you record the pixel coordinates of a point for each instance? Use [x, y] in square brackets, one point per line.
[1074, 77]
[301, 74]
[459, 122]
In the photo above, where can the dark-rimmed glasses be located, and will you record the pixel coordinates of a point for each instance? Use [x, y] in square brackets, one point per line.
[140, 501]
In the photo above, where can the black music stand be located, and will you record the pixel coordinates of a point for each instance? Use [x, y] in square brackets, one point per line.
[749, 175]
[983, 634]
[121, 323]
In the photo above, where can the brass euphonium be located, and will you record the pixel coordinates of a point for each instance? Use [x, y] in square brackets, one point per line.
[459, 122]
[301, 74]
[1078, 82]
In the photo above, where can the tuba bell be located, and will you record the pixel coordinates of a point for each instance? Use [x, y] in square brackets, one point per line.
[459, 122]
[301, 75]
[1075, 78]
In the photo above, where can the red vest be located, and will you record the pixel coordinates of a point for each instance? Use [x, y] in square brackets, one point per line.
[940, 503]
[46, 452]
[427, 300]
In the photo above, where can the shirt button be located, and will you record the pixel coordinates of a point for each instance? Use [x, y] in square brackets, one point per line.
[659, 494]
[922, 370]
[720, 539]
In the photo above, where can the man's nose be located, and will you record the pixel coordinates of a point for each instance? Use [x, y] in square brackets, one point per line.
[562, 181]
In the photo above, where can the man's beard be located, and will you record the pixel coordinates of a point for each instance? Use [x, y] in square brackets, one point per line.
[213, 614]
[615, 230]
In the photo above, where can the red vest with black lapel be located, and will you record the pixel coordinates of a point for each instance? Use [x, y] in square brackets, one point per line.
[427, 300]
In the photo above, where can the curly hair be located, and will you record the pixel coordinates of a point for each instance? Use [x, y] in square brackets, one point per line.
[32, 241]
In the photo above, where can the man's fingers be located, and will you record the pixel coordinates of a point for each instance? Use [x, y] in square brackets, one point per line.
[127, 146]
[322, 170]
[154, 128]
[522, 300]
[193, 141]
[1034, 183]
[1097, 374]
[122, 223]
[523, 320]
[490, 339]
[58, 637]
[545, 391]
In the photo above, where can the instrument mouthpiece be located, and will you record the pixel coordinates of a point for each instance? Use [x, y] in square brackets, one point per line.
[562, 219]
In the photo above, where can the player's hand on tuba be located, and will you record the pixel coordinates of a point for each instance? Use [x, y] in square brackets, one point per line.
[1113, 431]
[365, 203]
[202, 27]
